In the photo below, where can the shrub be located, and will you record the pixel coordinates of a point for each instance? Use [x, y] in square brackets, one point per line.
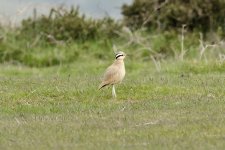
[203, 15]
[67, 25]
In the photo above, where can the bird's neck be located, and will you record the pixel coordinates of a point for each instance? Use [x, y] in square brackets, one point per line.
[119, 61]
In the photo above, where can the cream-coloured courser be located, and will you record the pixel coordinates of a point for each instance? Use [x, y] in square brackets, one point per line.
[115, 73]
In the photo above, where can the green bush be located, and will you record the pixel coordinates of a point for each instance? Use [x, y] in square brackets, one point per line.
[50, 39]
[21, 51]
[67, 25]
[202, 15]
[38, 56]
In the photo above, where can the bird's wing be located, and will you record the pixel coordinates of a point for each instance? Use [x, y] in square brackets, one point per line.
[110, 76]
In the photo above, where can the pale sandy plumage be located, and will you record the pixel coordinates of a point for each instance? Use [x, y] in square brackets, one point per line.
[115, 73]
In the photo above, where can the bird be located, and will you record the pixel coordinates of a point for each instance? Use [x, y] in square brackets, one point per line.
[115, 73]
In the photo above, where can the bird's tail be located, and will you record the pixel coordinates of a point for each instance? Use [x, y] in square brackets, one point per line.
[103, 84]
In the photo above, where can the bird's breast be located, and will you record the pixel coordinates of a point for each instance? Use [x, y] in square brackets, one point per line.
[121, 71]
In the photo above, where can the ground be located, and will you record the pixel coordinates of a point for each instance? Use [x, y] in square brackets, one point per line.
[180, 107]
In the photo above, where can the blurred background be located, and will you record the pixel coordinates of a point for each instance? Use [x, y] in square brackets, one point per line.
[14, 11]
[40, 33]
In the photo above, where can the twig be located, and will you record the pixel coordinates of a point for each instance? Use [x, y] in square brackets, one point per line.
[52, 40]
[17, 121]
[157, 7]
[157, 64]
[203, 47]
[148, 123]
[183, 51]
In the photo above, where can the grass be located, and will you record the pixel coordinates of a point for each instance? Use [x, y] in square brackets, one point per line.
[60, 107]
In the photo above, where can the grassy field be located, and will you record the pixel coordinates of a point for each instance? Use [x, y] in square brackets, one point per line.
[173, 95]
[180, 107]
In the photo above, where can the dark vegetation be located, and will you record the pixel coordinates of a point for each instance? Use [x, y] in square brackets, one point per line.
[64, 35]
[69, 25]
[197, 15]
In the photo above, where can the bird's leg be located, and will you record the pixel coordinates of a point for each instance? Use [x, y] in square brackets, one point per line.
[113, 91]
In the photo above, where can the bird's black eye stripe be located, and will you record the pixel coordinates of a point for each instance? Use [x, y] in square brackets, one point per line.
[118, 55]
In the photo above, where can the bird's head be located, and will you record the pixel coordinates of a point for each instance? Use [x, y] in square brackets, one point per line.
[120, 55]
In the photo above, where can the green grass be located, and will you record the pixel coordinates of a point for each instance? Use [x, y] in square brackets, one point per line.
[60, 107]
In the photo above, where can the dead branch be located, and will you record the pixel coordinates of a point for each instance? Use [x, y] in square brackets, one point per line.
[203, 47]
